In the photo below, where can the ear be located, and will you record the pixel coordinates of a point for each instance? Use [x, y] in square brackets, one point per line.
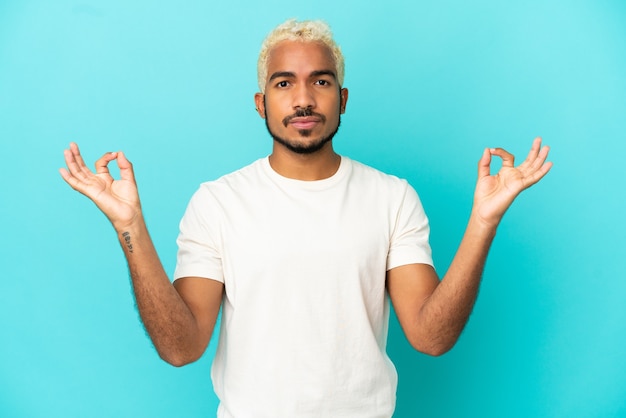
[344, 100]
[259, 102]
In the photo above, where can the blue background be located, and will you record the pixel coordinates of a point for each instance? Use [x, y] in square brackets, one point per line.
[431, 84]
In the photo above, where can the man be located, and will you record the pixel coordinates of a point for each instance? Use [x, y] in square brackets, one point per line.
[301, 249]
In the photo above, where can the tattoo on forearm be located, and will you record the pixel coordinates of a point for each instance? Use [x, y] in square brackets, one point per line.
[126, 236]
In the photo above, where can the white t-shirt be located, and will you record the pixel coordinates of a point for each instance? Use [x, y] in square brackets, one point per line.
[305, 312]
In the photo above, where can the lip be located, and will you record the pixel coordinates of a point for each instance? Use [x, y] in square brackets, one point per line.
[304, 122]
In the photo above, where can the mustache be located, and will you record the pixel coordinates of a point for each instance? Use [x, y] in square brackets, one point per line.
[302, 113]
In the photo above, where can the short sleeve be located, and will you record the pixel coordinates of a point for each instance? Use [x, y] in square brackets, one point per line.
[199, 249]
[409, 239]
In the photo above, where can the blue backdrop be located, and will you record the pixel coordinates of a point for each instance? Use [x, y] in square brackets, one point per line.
[431, 84]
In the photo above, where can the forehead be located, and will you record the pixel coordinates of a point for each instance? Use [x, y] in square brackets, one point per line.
[300, 57]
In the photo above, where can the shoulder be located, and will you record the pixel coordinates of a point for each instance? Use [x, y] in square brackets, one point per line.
[227, 188]
[376, 178]
[394, 192]
[241, 178]
[248, 173]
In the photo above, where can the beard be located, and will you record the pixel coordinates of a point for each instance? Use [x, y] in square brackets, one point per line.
[296, 146]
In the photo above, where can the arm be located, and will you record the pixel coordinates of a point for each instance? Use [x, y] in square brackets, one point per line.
[433, 313]
[179, 318]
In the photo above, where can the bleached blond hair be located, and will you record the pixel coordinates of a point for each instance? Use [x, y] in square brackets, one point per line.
[305, 31]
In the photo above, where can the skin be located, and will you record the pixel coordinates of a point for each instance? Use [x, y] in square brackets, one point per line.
[180, 318]
[300, 76]
[433, 313]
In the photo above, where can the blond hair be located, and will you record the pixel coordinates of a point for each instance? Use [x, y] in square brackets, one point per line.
[305, 31]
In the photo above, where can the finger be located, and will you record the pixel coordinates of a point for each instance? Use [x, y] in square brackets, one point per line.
[126, 167]
[72, 180]
[80, 162]
[76, 154]
[103, 162]
[533, 153]
[537, 175]
[484, 164]
[508, 159]
[76, 164]
[65, 174]
[535, 167]
[536, 157]
[539, 160]
[76, 169]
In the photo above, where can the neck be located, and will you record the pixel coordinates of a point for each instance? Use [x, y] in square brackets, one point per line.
[319, 165]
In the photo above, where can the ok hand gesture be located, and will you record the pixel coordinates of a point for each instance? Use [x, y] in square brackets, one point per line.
[494, 194]
[118, 199]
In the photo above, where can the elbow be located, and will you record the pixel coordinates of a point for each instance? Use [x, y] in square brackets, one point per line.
[435, 350]
[179, 351]
[434, 347]
[178, 359]
[177, 362]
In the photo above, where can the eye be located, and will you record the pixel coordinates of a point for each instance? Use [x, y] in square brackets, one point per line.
[282, 84]
[322, 83]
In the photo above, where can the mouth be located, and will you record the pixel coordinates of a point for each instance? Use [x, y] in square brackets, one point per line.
[305, 119]
[304, 123]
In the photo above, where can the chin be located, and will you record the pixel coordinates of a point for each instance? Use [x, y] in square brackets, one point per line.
[308, 146]
[299, 147]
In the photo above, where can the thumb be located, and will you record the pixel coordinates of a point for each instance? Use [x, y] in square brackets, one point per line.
[126, 167]
[484, 164]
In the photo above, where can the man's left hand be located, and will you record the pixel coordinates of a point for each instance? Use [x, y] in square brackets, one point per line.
[495, 193]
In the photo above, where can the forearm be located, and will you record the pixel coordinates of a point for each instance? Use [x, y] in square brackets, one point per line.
[432, 312]
[444, 314]
[168, 318]
[165, 315]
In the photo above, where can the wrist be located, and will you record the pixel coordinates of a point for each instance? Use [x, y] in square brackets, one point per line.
[481, 226]
[132, 235]
[134, 225]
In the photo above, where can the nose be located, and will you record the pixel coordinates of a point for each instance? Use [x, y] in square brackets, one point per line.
[303, 97]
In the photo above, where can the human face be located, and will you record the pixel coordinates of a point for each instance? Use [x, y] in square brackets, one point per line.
[303, 100]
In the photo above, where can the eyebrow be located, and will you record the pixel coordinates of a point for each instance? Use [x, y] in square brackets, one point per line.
[289, 74]
[281, 74]
[324, 72]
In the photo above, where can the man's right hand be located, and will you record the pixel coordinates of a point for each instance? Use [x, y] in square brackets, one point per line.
[118, 199]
